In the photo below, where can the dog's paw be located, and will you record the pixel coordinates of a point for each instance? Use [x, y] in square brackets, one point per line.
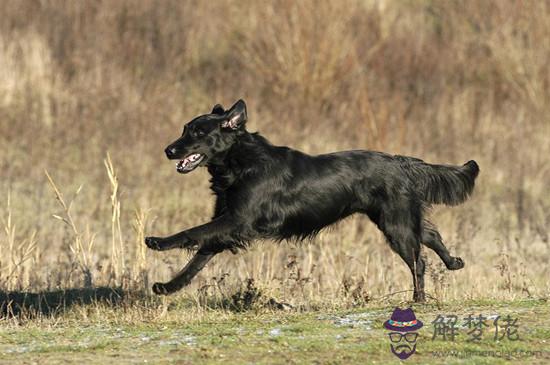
[153, 243]
[160, 289]
[455, 264]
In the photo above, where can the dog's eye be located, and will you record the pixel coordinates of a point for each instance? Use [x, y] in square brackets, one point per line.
[199, 133]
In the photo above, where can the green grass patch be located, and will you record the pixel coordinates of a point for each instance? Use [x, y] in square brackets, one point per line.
[273, 337]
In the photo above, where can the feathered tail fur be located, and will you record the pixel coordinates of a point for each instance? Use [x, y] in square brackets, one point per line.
[441, 184]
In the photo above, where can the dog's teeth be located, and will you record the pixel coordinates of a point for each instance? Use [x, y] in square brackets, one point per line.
[188, 162]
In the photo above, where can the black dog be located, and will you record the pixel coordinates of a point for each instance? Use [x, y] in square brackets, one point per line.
[265, 191]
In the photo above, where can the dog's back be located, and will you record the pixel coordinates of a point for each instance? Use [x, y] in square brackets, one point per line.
[286, 193]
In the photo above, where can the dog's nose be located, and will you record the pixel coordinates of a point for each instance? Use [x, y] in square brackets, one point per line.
[170, 152]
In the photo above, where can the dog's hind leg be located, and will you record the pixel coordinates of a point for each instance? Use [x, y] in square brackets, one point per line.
[401, 226]
[432, 239]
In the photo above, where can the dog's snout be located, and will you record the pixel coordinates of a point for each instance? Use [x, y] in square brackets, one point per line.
[170, 152]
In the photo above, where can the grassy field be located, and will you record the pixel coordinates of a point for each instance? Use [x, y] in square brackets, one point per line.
[180, 333]
[92, 92]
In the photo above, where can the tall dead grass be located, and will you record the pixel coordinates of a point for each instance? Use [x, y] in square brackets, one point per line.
[86, 82]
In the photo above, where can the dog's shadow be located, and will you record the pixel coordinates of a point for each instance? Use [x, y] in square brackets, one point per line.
[47, 303]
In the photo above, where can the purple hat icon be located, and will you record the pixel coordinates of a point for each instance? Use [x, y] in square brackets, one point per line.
[403, 320]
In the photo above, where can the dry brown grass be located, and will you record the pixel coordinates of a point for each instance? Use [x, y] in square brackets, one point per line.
[92, 92]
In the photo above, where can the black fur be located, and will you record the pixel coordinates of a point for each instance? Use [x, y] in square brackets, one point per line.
[271, 192]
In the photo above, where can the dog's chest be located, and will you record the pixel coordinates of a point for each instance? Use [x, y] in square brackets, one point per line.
[221, 178]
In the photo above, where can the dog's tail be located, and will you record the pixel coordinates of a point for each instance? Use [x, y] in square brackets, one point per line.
[443, 184]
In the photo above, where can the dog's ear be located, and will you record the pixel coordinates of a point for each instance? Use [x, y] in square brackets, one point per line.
[236, 116]
[218, 109]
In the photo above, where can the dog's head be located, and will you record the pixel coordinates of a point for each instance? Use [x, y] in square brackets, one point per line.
[208, 137]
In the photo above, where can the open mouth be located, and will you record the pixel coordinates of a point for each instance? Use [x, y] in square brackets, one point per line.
[189, 163]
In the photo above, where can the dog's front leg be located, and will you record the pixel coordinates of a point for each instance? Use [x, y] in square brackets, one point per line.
[185, 276]
[191, 238]
[209, 236]
[179, 240]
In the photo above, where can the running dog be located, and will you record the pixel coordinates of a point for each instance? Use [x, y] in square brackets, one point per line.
[273, 192]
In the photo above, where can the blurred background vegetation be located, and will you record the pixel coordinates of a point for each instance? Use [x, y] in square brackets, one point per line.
[92, 92]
